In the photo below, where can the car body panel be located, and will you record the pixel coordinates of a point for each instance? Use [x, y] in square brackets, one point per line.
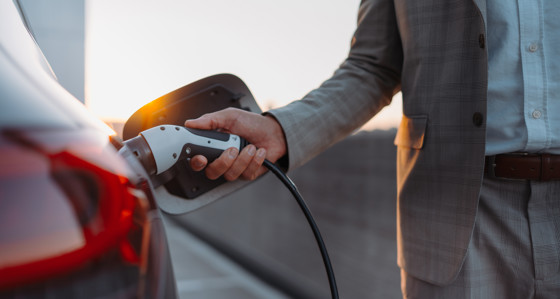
[75, 220]
[26, 76]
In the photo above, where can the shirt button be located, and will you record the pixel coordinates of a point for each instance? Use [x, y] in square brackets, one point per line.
[536, 114]
[533, 47]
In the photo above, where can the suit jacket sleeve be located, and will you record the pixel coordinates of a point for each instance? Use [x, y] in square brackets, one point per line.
[363, 84]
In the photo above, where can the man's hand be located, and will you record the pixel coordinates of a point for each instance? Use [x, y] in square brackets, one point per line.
[264, 134]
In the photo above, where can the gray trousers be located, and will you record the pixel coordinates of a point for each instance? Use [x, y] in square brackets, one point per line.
[515, 248]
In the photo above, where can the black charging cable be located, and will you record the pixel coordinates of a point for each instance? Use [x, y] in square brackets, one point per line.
[293, 189]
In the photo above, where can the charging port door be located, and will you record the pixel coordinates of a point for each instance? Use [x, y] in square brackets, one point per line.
[180, 189]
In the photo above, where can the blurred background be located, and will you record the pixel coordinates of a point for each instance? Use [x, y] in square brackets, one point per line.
[116, 56]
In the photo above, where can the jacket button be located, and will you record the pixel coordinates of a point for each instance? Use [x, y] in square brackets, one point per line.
[481, 41]
[477, 119]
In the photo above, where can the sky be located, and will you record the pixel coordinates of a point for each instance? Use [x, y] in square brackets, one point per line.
[137, 51]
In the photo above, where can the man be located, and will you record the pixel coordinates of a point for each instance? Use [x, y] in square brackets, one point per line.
[476, 217]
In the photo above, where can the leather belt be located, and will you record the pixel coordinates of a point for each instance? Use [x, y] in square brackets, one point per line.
[524, 166]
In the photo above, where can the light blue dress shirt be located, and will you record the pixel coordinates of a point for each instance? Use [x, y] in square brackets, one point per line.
[524, 76]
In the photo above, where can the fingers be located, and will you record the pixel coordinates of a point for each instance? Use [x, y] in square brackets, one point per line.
[247, 165]
[253, 169]
[241, 163]
[222, 164]
[263, 132]
[233, 165]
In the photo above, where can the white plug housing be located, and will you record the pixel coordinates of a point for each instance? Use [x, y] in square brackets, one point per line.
[167, 142]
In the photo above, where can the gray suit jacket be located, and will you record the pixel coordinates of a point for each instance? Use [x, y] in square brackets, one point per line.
[434, 52]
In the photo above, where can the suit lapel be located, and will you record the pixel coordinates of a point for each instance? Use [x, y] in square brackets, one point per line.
[481, 4]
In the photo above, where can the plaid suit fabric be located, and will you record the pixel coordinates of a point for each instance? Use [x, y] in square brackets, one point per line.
[514, 251]
[433, 51]
[444, 78]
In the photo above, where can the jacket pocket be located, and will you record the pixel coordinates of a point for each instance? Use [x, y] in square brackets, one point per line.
[412, 131]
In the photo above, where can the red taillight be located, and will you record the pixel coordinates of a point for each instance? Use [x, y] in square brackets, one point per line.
[59, 211]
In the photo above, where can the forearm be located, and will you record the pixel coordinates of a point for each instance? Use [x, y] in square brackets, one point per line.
[361, 87]
[326, 115]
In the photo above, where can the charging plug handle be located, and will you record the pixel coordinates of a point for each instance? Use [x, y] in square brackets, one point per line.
[160, 148]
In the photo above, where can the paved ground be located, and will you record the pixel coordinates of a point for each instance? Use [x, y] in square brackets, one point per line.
[204, 273]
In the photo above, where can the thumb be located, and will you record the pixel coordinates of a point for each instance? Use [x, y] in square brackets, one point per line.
[205, 122]
[220, 120]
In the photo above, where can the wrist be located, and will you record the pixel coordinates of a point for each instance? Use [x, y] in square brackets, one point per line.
[277, 132]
